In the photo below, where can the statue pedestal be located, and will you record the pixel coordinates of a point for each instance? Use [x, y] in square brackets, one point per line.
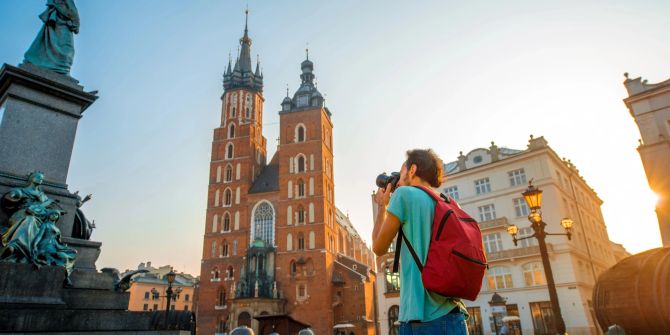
[39, 113]
[34, 300]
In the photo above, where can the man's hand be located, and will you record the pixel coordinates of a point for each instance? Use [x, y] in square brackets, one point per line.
[382, 196]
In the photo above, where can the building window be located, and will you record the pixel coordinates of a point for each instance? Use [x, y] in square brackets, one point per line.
[520, 207]
[186, 297]
[302, 291]
[487, 212]
[533, 274]
[235, 248]
[452, 192]
[146, 295]
[392, 280]
[301, 241]
[301, 163]
[227, 198]
[482, 186]
[222, 297]
[543, 317]
[300, 133]
[229, 174]
[517, 177]
[224, 249]
[229, 151]
[226, 222]
[499, 277]
[230, 273]
[492, 243]
[301, 188]
[155, 307]
[213, 248]
[301, 215]
[394, 328]
[145, 307]
[264, 223]
[294, 268]
[526, 232]
[186, 307]
[231, 131]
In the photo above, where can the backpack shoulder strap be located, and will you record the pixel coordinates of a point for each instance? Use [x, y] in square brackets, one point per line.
[396, 258]
[434, 196]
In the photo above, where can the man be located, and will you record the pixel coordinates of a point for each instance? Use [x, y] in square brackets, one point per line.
[410, 208]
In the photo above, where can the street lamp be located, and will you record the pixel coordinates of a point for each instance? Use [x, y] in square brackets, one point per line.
[533, 198]
[169, 294]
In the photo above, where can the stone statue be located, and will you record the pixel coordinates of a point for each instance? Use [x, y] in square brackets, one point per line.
[53, 48]
[122, 284]
[32, 236]
[82, 228]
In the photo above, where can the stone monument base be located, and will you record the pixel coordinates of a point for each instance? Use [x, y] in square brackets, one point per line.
[35, 301]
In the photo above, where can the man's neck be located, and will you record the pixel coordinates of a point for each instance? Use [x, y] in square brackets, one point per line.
[420, 182]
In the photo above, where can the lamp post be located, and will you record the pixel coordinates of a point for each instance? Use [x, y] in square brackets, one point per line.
[533, 197]
[169, 294]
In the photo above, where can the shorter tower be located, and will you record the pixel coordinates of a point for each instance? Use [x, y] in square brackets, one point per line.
[649, 105]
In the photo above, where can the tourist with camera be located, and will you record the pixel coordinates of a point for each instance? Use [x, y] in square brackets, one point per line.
[401, 206]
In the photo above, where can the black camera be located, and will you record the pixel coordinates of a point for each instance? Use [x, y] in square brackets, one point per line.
[384, 179]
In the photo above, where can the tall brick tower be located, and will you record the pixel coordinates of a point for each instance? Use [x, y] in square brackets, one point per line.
[238, 156]
[277, 252]
[306, 201]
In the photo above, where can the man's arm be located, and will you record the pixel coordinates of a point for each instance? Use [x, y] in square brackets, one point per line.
[386, 226]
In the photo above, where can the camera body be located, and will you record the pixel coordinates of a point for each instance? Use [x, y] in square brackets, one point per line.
[383, 180]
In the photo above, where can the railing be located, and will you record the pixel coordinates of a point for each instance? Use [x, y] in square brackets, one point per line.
[495, 223]
[517, 253]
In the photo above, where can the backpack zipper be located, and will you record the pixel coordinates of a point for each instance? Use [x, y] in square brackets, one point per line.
[468, 258]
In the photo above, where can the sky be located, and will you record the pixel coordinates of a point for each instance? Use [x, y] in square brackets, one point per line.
[449, 75]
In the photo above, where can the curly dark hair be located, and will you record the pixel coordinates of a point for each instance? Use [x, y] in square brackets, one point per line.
[428, 165]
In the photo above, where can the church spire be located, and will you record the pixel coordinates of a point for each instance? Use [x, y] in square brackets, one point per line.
[245, 46]
[242, 72]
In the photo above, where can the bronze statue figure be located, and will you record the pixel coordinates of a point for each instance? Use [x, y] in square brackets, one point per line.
[32, 236]
[53, 48]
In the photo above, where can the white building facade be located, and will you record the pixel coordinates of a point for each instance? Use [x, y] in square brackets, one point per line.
[487, 183]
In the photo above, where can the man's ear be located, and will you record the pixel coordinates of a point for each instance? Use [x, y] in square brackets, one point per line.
[412, 170]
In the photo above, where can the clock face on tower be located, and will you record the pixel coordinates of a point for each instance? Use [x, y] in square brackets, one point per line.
[303, 101]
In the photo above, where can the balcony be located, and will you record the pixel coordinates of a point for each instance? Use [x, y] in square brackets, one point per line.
[495, 223]
[220, 307]
[517, 253]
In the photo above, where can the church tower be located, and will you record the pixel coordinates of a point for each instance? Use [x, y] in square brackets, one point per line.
[306, 203]
[238, 156]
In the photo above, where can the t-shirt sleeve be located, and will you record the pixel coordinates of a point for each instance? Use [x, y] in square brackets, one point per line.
[398, 204]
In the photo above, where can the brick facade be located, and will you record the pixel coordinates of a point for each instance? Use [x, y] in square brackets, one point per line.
[322, 272]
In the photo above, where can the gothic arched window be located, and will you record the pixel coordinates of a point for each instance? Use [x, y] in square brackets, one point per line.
[301, 215]
[394, 311]
[301, 241]
[227, 197]
[264, 223]
[231, 131]
[301, 163]
[230, 273]
[229, 174]
[229, 151]
[226, 222]
[301, 188]
[300, 133]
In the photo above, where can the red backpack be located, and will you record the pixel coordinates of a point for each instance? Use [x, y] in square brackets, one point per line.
[456, 261]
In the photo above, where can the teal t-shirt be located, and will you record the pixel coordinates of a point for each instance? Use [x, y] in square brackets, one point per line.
[415, 210]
